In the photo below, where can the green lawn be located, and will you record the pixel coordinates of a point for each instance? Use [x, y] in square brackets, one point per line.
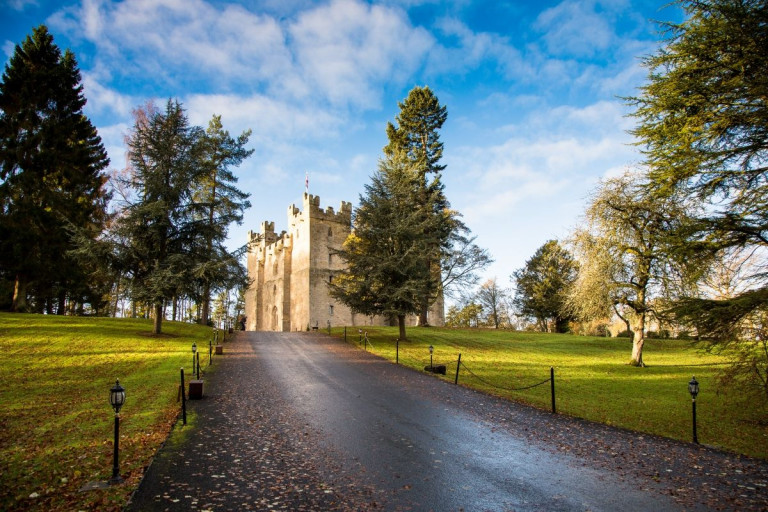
[592, 379]
[56, 424]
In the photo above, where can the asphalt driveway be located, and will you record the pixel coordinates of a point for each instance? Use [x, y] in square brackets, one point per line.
[299, 421]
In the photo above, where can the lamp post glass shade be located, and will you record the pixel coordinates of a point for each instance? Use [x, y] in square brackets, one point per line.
[194, 348]
[693, 388]
[117, 396]
[431, 349]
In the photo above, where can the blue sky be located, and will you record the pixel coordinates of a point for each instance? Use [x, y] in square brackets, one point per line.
[532, 90]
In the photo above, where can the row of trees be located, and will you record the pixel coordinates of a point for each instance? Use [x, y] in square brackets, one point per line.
[71, 237]
[654, 238]
[537, 300]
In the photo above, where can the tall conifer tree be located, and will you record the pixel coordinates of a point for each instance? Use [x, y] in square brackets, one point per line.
[158, 230]
[385, 272]
[703, 127]
[219, 204]
[416, 138]
[51, 180]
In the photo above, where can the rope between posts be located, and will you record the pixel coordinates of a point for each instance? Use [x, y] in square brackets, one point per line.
[687, 365]
[502, 387]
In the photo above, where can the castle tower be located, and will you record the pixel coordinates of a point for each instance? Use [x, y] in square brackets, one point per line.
[290, 272]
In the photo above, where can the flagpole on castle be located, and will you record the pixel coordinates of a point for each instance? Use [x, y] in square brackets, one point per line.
[306, 183]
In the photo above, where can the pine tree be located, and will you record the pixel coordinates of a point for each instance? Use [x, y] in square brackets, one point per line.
[417, 139]
[51, 180]
[542, 286]
[219, 203]
[703, 128]
[417, 132]
[385, 272]
[158, 229]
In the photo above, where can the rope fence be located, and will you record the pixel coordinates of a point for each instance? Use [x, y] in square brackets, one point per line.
[502, 387]
[401, 357]
[406, 356]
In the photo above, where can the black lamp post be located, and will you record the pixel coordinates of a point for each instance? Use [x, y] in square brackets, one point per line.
[194, 350]
[431, 350]
[693, 389]
[116, 399]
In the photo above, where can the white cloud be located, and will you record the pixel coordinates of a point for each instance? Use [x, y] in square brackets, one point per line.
[549, 156]
[8, 48]
[20, 5]
[574, 28]
[103, 99]
[347, 49]
[181, 40]
[462, 50]
[269, 118]
[113, 138]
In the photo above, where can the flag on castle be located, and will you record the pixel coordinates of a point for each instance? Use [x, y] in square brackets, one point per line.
[306, 182]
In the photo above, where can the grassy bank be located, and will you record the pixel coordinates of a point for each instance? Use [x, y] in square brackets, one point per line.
[592, 380]
[56, 424]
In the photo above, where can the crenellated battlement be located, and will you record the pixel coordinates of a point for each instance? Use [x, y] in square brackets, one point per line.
[312, 210]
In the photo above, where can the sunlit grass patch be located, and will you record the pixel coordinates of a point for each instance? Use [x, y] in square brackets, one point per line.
[56, 424]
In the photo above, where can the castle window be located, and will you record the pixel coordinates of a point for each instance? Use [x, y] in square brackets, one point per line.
[330, 279]
[330, 232]
[330, 258]
[330, 310]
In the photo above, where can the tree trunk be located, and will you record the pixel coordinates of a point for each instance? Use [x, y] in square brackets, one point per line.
[401, 325]
[423, 320]
[19, 303]
[117, 297]
[157, 326]
[205, 311]
[638, 341]
[61, 308]
[561, 324]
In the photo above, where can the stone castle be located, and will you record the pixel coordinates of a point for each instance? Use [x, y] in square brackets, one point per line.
[290, 273]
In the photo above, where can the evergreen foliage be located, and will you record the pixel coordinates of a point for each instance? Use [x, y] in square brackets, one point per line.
[384, 255]
[51, 181]
[542, 286]
[703, 128]
[158, 229]
[417, 132]
[467, 316]
[416, 139]
[218, 203]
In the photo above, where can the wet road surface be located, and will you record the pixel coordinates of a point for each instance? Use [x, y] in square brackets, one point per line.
[303, 422]
[404, 434]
